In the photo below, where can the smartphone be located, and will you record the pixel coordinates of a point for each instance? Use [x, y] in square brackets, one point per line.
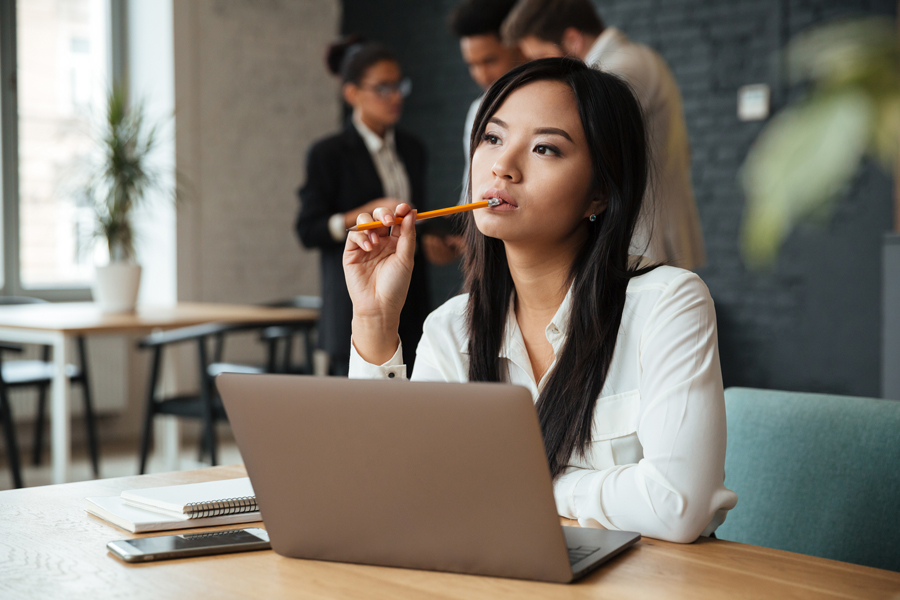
[190, 544]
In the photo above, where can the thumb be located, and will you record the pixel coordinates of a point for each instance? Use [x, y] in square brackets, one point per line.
[406, 244]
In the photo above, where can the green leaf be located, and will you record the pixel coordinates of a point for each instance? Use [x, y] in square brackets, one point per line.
[806, 155]
[844, 52]
[118, 182]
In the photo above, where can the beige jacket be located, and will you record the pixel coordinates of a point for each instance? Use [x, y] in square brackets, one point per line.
[669, 218]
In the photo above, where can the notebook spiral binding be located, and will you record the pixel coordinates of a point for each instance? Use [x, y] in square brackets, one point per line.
[216, 508]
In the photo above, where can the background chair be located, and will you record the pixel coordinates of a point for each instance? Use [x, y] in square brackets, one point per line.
[815, 474]
[9, 427]
[206, 404]
[282, 336]
[39, 374]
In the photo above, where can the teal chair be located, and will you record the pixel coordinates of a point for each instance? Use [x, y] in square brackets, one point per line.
[815, 474]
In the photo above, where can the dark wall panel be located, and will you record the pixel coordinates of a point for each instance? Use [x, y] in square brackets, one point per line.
[811, 323]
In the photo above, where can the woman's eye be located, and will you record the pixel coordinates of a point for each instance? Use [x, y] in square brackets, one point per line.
[546, 150]
[490, 138]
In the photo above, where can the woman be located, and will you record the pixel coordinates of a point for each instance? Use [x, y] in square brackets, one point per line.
[621, 357]
[368, 164]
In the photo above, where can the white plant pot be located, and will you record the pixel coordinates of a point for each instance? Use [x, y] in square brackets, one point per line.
[116, 287]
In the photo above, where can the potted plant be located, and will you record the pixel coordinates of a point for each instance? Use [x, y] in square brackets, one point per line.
[806, 156]
[116, 185]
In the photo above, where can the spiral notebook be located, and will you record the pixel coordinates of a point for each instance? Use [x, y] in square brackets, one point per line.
[196, 500]
[114, 510]
[206, 504]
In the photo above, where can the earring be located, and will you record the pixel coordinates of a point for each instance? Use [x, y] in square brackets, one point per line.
[593, 218]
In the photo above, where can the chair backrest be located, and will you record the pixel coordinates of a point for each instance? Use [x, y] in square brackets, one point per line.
[815, 474]
[297, 302]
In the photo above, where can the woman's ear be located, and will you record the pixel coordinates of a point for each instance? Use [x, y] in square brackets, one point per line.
[350, 92]
[597, 205]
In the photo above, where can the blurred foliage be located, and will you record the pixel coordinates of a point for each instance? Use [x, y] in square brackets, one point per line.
[118, 180]
[808, 153]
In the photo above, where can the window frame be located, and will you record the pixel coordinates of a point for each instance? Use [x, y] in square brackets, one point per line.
[9, 148]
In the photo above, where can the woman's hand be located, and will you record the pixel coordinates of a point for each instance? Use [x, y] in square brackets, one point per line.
[378, 265]
[442, 250]
[369, 209]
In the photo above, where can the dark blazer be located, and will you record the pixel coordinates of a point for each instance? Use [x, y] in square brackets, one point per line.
[341, 176]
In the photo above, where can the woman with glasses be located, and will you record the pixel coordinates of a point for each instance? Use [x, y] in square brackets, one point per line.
[369, 164]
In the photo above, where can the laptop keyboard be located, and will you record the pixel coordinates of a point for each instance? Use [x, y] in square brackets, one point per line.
[580, 553]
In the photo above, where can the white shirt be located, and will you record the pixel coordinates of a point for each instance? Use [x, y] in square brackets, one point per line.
[656, 464]
[670, 211]
[390, 168]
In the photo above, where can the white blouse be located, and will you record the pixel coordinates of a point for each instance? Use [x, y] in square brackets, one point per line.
[656, 462]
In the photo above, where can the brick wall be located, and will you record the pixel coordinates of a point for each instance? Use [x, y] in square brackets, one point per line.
[813, 322]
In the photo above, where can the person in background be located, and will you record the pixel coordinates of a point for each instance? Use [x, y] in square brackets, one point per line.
[670, 229]
[369, 164]
[477, 25]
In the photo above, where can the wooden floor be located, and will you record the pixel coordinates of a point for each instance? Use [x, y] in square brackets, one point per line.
[116, 460]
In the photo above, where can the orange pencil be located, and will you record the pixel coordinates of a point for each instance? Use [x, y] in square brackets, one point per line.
[428, 215]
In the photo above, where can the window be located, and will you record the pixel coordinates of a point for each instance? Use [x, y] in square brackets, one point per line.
[56, 67]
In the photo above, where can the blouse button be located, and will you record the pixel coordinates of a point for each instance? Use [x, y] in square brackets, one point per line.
[390, 375]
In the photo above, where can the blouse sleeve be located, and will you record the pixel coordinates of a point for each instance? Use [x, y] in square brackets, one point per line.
[676, 491]
[434, 358]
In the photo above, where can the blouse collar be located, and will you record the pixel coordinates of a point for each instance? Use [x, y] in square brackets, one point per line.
[608, 43]
[372, 140]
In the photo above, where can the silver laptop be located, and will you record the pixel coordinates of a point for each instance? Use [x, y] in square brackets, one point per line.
[437, 476]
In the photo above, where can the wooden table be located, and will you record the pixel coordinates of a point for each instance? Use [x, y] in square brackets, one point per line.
[51, 548]
[58, 324]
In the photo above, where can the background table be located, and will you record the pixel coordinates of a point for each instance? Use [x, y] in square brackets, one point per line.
[58, 324]
[52, 548]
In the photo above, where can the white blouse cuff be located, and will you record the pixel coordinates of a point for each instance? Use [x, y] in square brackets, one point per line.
[392, 369]
[564, 492]
[586, 495]
[577, 495]
[336, 227]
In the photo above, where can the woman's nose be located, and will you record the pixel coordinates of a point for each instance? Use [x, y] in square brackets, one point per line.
[506, 167]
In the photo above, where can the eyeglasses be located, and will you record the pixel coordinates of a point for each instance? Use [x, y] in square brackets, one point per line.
[386, 90]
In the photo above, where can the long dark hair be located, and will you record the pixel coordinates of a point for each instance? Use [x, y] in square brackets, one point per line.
[614, 128]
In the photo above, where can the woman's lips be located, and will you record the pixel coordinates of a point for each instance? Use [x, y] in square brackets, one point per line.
[506, 201]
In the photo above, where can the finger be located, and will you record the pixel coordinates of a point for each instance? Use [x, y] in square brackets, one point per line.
[374, 234]
[406, 245]
[362, 239]
[402, 211]
[357, 239]
[385, 215]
